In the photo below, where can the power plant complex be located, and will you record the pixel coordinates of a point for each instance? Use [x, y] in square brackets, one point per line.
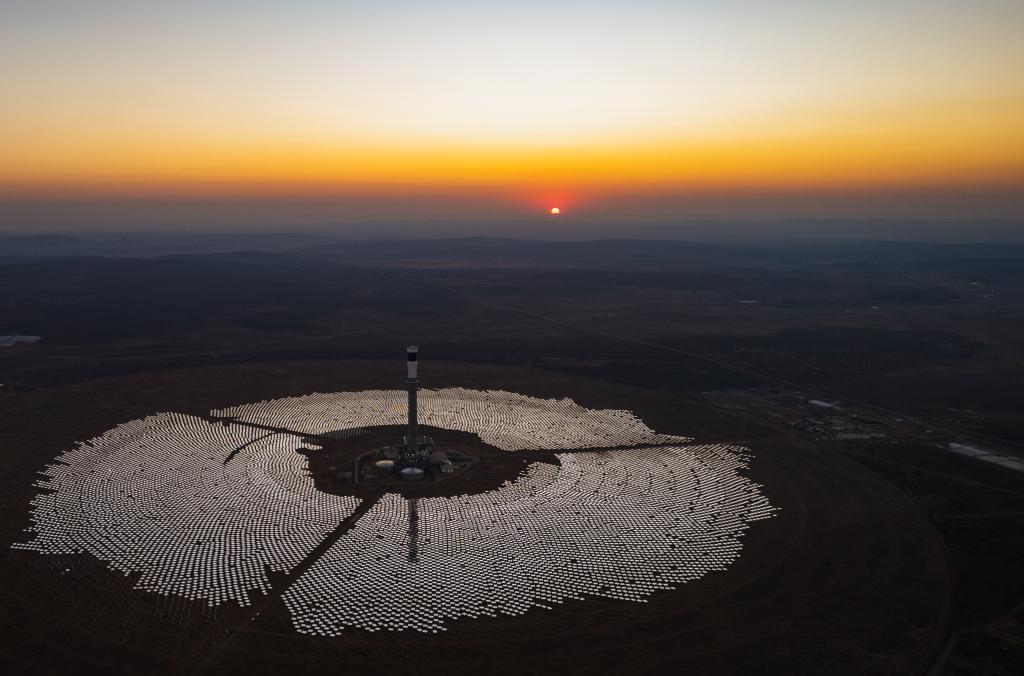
[216, 510]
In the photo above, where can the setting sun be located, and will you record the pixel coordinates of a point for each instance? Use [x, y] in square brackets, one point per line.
[555, 211]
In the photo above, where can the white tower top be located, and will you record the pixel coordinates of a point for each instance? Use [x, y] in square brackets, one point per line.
[411, 362]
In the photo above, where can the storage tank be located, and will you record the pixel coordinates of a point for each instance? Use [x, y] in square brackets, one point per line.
[411, 474]
[384, 467]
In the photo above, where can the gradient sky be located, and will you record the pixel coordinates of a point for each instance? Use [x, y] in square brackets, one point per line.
[652, 110]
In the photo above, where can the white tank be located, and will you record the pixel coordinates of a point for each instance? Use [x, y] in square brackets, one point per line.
[412, 473]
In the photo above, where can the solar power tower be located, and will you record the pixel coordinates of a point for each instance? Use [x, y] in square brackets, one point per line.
[412, 439]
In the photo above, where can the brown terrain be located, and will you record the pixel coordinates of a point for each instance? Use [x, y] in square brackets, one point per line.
[889, 553]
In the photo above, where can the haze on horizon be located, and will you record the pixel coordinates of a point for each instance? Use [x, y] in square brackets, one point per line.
[140, 114]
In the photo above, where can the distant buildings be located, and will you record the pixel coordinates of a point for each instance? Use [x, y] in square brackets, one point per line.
[8, 341]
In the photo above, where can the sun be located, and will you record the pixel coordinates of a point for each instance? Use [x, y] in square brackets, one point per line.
[555, 211]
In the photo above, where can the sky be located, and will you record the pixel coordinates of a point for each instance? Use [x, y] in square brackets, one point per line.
[247, 113]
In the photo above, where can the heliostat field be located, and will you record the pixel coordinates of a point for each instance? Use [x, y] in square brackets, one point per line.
[208, 508]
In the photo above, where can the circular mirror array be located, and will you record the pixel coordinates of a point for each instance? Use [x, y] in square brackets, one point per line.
[204, 509]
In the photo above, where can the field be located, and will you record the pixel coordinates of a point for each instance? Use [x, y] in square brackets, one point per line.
[887, 554]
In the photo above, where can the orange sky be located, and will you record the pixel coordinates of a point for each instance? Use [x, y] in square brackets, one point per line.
[546, 102]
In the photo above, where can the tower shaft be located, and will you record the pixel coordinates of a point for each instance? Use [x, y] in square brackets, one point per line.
[412, 382]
